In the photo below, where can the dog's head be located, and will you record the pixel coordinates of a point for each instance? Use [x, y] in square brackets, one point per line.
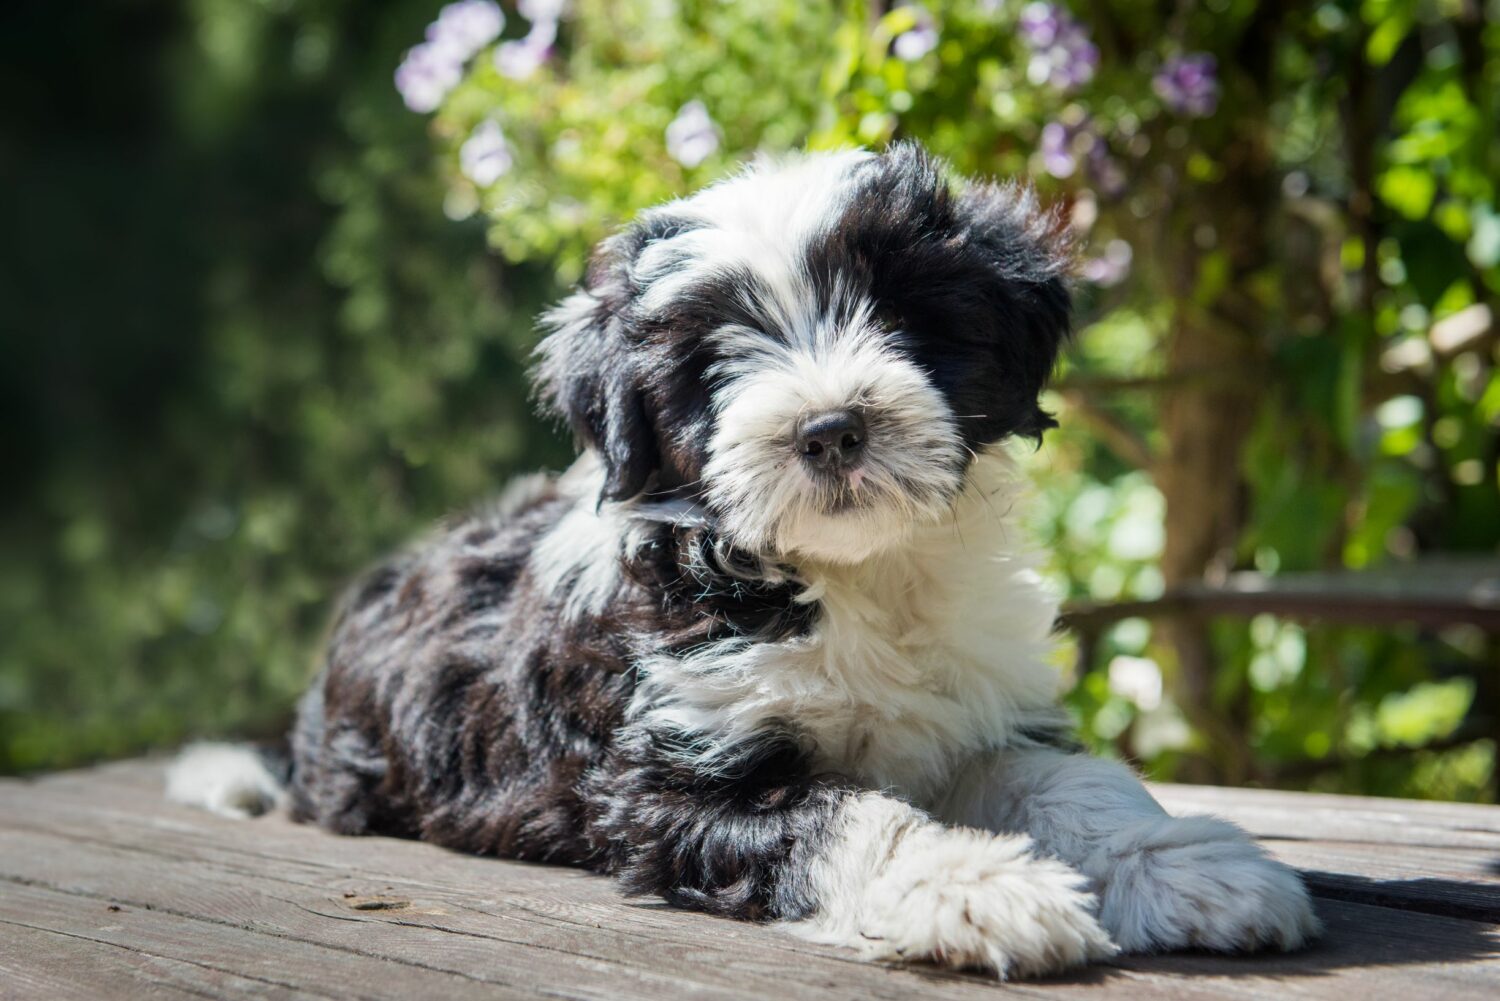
[815, 349]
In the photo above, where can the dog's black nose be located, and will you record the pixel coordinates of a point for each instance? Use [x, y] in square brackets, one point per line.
[832, 438]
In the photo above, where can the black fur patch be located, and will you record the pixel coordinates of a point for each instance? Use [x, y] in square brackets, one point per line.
[468, 715]
[707, 591]
[457, 706]
[721, 841]
[972, 286]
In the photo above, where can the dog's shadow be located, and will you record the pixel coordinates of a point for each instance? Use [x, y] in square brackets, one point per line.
[1368, 924]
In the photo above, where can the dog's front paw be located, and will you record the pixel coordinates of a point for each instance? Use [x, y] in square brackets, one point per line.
[1198, 882]
[969, 900]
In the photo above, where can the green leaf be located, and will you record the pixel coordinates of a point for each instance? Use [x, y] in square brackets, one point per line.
[1427, 712]
[1387, 38]
[1408, 190]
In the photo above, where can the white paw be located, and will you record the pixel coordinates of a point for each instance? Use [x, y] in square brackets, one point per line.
[1198, 882]
[231, 780]
[970, 900]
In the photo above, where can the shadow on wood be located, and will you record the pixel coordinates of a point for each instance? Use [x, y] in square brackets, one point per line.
[110, 891]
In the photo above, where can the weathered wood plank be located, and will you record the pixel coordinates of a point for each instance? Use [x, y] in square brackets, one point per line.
[289, 911]
[1438, 858]
[234, 958]
[1367, 953]
[537, 927]
[228, 908]
[40, 963]
[1272, 813]
[1447, 863]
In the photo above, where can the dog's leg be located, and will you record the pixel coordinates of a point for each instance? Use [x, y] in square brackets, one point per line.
[896, 884]
[837, 864]
[1163, 882]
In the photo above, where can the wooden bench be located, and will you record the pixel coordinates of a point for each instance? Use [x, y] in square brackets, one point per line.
[107, 891]
[1436, 591]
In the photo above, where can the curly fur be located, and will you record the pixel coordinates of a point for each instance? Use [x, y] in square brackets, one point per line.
[751, 683]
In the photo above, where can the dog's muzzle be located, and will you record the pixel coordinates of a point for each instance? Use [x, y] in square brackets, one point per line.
[832, 440]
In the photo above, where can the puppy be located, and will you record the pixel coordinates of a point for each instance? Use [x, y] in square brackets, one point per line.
[772, 648]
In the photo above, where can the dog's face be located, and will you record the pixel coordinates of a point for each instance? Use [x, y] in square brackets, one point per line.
[815, 349]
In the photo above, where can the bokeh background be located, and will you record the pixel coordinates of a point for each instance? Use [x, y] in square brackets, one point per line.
[270, 269]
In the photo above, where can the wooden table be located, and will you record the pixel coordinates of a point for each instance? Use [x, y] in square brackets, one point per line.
[107, 891]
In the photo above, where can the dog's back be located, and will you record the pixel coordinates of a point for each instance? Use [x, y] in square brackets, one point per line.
[454, 704]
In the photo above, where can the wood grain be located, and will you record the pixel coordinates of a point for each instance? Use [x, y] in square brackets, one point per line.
[108, 891]
[1437, 858]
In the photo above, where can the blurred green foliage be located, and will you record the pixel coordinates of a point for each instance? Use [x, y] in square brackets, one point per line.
[259, 339]
[252, 354]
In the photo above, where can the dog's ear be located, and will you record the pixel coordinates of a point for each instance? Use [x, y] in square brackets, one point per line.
[588, 374]
[1028, 253]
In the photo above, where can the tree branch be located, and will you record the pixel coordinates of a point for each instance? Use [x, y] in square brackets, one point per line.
[1184, 378]
[1119, 437]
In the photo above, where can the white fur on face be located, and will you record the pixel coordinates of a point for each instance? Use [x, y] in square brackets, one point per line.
[817, 354]
[758, 221]
[766, 495]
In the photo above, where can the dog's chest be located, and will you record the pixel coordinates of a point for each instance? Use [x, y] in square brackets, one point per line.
[915, 660]
[908, 671]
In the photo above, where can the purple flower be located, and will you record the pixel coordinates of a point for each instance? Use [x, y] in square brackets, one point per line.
[917, 41]
[485, 156]
[1066, 145]
[465, 27]
[1111, 267]
[542, 10]
[432, 68]
[520, 58]
[1039, 24]
[425, 76]
[692, 136]
[1057, 150]
[1061, 53]
[1189, 84]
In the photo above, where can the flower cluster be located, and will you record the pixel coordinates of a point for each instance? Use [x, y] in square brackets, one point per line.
[522, 57]
[1062, 56]
[1061, 53]
[1064, 145]
[692, 136]
[432, 68]
[1189, 84]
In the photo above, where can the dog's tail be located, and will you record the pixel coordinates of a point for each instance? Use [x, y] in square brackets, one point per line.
[232, 780]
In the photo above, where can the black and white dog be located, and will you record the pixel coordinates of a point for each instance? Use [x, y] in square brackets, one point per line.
[772, 647]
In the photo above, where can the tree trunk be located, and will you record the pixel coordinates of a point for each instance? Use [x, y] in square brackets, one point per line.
[1206, 423]
[1205, 429]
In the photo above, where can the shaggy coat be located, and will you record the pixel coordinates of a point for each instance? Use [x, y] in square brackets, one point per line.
[773, 648]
